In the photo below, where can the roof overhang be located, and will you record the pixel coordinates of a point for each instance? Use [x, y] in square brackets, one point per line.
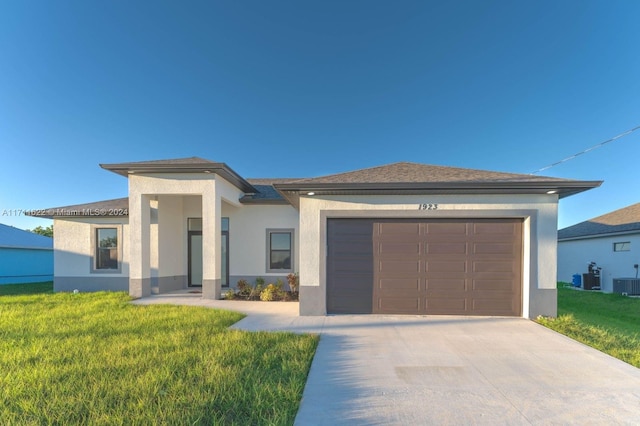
[221, 169]
[561, 188]
[602, 235]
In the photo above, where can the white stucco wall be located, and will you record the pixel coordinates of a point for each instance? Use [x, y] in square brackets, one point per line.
[248, 238]
[538, 211]
[73, 248]
[171, 236]
[575, 255]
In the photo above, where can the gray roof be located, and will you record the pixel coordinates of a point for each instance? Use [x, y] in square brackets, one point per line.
[266, 193]
[625, 220]
[181, 165]
[118, 207]
[19, 238]
[396, 178]
[413, 178]
[406, 172]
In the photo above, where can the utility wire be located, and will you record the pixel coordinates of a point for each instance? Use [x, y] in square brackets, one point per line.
[628, 132]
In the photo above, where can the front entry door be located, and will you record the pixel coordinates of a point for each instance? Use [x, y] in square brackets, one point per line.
[195, 258]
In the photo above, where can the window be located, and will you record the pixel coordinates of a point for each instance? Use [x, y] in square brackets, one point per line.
[624, 246]
[279, 250]
[107, 253]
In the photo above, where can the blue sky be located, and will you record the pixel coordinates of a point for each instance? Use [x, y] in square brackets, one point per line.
[298, 89]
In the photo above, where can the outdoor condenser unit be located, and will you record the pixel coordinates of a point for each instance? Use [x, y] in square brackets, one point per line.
[630, 286]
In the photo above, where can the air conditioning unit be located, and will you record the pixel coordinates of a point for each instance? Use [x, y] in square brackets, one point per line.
[628, 286]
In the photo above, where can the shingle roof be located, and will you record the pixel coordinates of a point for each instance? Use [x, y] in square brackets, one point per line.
[118, 207]
[167, 162]
[14, 237]
[622, 220]
[266, 192]
[406, 172]
[413, 178]
[181, 165]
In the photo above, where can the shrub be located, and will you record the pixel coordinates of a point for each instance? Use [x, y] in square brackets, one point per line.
[294, 281]
[244, 288]
[269, 293]
[230, 294]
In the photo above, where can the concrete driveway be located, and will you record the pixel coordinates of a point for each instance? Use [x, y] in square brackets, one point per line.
[378, 370]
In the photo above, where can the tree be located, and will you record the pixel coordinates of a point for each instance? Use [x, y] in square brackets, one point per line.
[47, 232]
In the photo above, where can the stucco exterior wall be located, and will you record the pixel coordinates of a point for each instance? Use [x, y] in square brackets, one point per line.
[575, 255]
[540, 236]
[73, 251]
[248, 238]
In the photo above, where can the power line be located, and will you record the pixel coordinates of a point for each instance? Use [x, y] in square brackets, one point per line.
[628, 132]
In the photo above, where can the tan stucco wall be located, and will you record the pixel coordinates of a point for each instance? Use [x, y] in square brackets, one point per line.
[538, 211]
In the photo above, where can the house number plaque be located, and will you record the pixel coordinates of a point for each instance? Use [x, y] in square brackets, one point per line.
[427, 206]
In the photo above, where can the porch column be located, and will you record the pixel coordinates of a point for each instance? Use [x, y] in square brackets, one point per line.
[211, 242]
[140, 245]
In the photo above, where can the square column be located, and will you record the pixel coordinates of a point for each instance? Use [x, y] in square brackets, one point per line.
[140, 244]
[211, 243]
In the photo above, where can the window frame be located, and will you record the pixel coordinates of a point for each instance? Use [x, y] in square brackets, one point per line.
[269, 250]
[623, 244]
[94, 247]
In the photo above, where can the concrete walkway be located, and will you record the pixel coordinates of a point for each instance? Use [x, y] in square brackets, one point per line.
[379, 370]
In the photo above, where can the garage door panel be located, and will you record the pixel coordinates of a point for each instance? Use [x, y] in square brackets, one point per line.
[492, 285]
[394, 229]
[350, 248]
[410, 305]
[446, 266]
[396, 266]
[494, 228]
[447, 228]
[400, 248]
[446, 305]
[350, 265]
[492, 248]
[494, 307]
[489, 266]
[446, 284]
[399, 284]
[446, 248]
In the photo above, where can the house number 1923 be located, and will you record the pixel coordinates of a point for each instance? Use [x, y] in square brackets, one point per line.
[427, 206]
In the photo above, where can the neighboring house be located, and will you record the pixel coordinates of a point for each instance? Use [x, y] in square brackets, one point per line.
[401, 238]
[612, 241]
[25, 257]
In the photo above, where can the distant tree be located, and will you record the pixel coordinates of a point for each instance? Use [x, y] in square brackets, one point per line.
[47, 232]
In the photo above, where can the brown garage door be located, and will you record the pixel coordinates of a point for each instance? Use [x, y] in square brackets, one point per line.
[439, 266]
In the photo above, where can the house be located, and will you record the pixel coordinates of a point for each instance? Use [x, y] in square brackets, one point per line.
[611, 241]
[25, 257]
[400, 238]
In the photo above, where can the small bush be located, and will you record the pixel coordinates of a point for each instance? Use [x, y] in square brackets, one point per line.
[230, 294]
[269, 293]
[294, 282]
[244, 288]
[256, 291]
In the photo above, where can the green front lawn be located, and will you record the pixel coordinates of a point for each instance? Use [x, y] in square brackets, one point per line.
[607, 322]
[33, 288]
[93, 358]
